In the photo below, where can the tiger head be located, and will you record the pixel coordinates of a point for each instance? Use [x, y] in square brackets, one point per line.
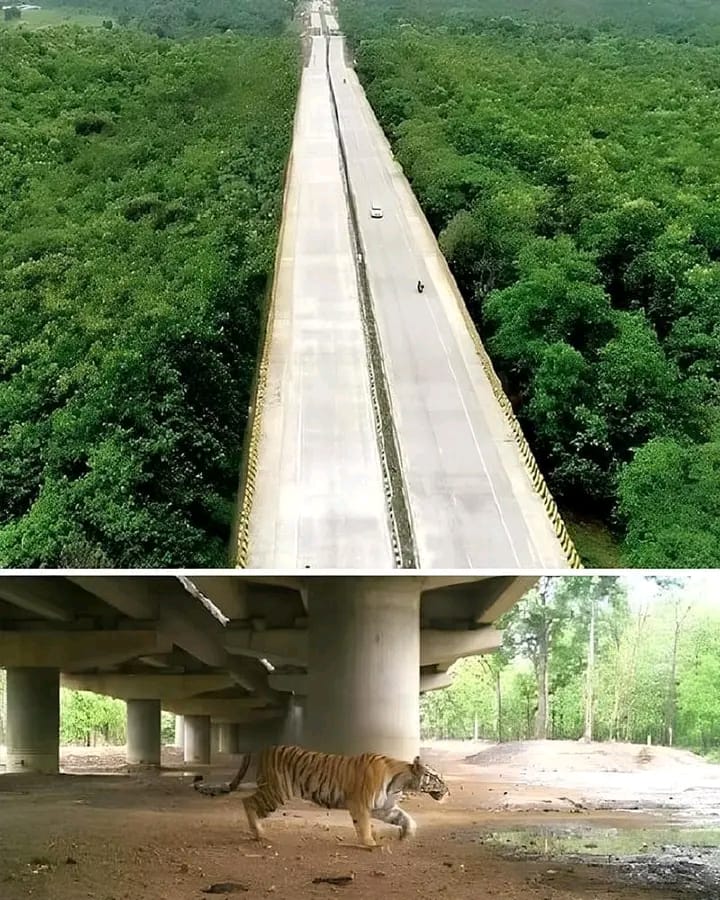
[427, 781]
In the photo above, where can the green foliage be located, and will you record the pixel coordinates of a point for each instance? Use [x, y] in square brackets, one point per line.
[188, 18]
[598, 547]
[682, 20]
[570, 171]
[670, 496]
[633, 667]
[142, 183]
[469, 705]
[85, 716]
[167, 728]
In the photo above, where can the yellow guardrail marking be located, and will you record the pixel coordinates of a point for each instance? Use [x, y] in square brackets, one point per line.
[255, 425]
[536, 476]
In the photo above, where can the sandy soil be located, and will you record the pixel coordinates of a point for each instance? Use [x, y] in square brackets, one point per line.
[147, 836]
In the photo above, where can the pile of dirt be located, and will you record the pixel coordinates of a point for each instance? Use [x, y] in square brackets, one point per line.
[109, 759]
[555, 756]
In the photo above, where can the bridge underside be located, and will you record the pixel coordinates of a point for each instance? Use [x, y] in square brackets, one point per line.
[334, 663]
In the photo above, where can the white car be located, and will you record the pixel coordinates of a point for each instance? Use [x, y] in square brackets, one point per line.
[376, 212]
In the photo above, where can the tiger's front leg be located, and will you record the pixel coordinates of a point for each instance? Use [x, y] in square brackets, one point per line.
[396, 816]
[361, 821]
[258, 806]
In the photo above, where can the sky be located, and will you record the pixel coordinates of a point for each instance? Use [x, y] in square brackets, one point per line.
[703, 588]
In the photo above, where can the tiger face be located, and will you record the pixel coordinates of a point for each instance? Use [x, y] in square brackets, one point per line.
[427, 781]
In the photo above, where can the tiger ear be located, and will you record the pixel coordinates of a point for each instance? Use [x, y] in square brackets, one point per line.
[417, 766]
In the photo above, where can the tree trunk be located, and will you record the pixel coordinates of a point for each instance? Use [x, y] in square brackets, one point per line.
[671, 695]
[542, 668]
[590, 673]
[541, 720]
[498, 694]
[641, 621]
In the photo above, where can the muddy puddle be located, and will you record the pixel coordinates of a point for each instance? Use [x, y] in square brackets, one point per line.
[667, 855]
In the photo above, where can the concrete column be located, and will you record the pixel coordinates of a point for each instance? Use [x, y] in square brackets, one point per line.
[256, 735]
[228, 737]
[33, 720]
[214, 738]
[143, 732]
[364, 666]
[293, 726]
[179, 732]
[197, 739]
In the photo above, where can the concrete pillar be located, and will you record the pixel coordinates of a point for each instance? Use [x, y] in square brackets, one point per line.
[197, 739]
[179, 732]
[256, 735]
[214, 738]
[228, 737]
[33, 720]
[364, 666]
[143, 732]
[293, 726]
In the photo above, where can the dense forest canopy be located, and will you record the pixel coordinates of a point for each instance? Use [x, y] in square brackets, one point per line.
[572, 175]
[654, 673]
[141, 181]
[177, 18]
[697, 20]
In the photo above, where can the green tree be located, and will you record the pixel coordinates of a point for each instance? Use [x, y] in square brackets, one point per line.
[643, 394]
[669, 495]
[85, 716]
[698, 698]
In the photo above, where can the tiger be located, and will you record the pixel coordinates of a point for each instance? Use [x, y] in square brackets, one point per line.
[367, 786]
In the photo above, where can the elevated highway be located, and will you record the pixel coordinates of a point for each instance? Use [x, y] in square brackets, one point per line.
[334, 663]
[381, 435]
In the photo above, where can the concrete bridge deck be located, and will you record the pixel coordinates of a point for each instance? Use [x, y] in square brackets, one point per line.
[382, 435]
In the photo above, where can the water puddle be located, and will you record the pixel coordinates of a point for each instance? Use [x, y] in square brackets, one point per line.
[670, 855]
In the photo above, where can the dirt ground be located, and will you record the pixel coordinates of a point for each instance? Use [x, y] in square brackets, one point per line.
[145, 836]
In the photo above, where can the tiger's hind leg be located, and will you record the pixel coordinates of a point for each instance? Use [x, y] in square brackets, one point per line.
[397, 816]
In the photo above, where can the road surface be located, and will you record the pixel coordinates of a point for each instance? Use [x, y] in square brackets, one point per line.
[471, 499]
[319, 499]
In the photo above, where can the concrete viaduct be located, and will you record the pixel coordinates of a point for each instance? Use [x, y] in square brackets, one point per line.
[334, 663]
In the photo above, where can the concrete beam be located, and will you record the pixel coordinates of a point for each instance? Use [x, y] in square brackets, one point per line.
[435, 681]
[250, 675]
[180, 616]
[289, 645]
[36, 597]
[68, 650]
[504, 601]
[435, 582]
[192, 627]
[297, 682]
[438, 646]
[228, 594]
[130, 595]
[294, 683]
[147, 687]
[240, 709]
